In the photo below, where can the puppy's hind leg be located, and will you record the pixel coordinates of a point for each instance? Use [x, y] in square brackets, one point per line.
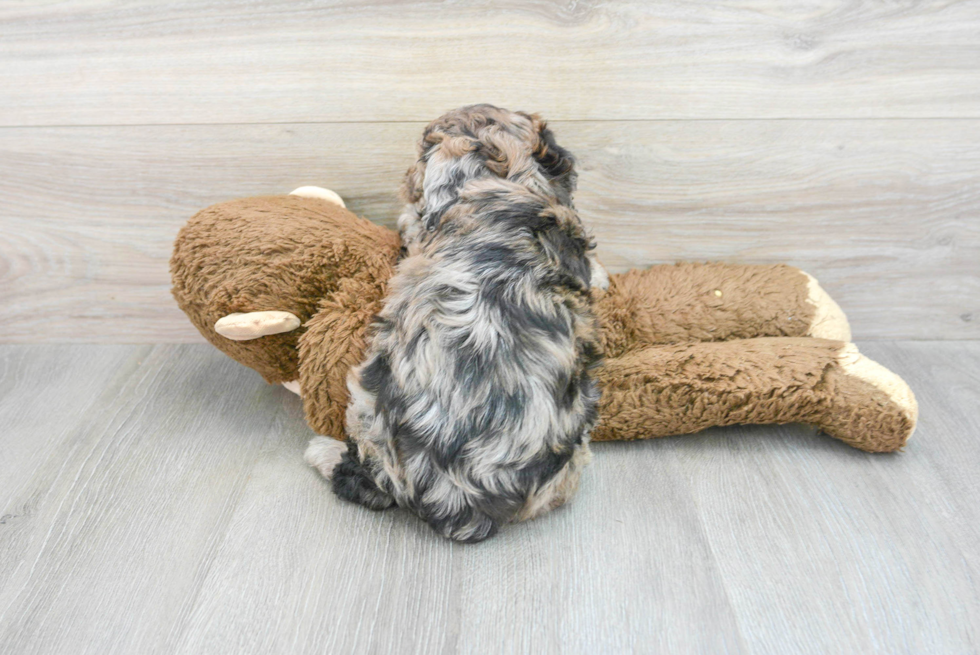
[351, 481]
[559, 489]
[324, 454]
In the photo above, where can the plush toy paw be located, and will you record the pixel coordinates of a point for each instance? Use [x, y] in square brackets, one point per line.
[242, 327]
[324, 454]
[897, 406]
[319, 192]
[293, 385]
[828, 320]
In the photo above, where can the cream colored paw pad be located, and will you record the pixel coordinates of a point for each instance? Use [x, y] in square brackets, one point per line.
[829, 321]
[856, 364]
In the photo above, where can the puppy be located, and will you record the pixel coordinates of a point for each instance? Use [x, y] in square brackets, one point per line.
[474, 405]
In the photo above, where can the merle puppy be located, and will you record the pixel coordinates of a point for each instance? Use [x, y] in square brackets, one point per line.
[474, 405]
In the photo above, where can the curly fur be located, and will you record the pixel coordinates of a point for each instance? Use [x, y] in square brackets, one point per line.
[475, 402]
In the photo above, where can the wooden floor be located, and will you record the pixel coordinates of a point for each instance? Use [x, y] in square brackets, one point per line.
[155, 500]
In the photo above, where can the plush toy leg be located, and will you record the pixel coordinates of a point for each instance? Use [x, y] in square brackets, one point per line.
[715, 302]
[684, 388]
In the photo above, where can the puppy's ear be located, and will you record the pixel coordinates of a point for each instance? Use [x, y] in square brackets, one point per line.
[412, 184]
[441, 177]
[556, 162]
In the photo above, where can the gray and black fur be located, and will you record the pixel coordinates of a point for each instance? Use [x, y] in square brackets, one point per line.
[474, 405]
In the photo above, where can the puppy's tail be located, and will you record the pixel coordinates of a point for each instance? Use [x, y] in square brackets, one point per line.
[462, 515]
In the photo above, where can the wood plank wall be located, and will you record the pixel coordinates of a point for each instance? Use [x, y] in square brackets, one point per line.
[841, 137]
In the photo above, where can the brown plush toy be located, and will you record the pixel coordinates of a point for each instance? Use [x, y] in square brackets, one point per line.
[288, 285]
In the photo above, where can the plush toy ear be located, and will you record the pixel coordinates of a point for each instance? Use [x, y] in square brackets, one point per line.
[432, 183]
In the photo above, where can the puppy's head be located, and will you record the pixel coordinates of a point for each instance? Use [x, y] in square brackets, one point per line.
[482, 141]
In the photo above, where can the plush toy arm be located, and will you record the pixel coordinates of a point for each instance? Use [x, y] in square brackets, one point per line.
[684, 388]
[714, 302]
[334, 342]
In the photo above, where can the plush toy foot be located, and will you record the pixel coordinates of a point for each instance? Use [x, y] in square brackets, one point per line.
[293, 385]
[324, 454]
[319, 192]
[242, 327]
[828, 321]
[685, 388]
[864, 383]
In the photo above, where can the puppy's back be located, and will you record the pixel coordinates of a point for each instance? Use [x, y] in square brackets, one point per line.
[476, 397]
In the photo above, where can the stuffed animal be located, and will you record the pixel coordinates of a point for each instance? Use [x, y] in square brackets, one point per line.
[288, 286]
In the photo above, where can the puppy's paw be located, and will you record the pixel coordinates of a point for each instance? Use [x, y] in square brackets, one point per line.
[324, 454]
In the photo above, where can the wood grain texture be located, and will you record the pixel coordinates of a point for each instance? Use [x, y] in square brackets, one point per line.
[105, 62]
[163, 507]
[886, 214]
[133, 498]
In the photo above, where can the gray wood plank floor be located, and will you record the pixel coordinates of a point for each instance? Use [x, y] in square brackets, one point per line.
[153, 499]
